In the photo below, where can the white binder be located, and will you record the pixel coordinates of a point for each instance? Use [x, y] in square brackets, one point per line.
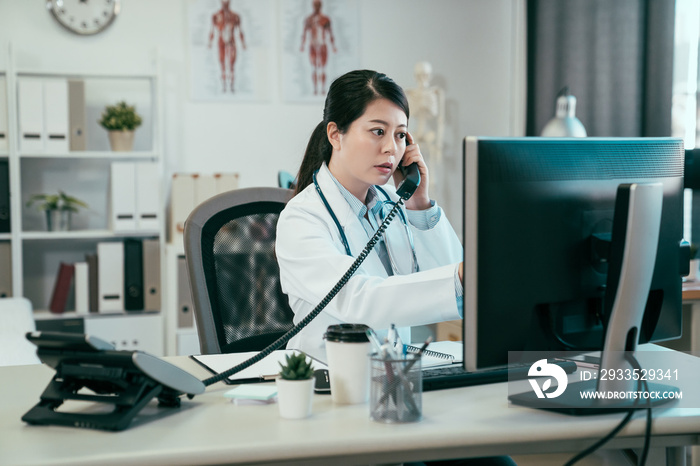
[147, 196]
[226, 182]
[4, 136]
[56, 115]
[181, 204]
[151, 274]
[110, 276]
[82, 288]
[31, 115]
[123, 196]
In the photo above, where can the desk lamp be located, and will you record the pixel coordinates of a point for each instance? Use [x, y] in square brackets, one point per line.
[565, 123]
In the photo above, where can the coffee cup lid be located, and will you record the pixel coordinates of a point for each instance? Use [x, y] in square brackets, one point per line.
[350, 333]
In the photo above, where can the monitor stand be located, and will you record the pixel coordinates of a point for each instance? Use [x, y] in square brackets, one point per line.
[633, 254]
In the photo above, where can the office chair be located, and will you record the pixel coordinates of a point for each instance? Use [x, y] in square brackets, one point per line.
[233, 273]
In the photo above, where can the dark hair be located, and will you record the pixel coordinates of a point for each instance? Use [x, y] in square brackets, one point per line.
[347, 99]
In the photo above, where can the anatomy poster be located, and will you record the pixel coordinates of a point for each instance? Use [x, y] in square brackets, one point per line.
[230, 49]
[320, 41]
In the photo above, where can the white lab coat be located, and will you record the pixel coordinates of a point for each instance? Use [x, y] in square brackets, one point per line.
[312, 259]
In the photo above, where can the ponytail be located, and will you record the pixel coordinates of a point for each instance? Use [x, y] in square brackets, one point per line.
[318, 150]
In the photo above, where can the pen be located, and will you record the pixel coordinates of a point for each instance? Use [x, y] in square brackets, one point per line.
[418, 356]
[392, 336]
[374, 339]
[398, 343]
[402, 377]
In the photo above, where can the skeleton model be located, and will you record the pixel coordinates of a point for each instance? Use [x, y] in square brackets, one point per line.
[427, 104]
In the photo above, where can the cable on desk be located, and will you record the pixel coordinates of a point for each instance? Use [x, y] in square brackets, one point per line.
[647, 431]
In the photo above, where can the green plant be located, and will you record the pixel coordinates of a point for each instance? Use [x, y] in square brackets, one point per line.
[296, 367]
[60, 201]
[120, 117]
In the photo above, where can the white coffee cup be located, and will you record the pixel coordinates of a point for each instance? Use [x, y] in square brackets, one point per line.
[347, 351]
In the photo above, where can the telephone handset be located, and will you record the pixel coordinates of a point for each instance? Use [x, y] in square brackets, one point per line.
[410, 183]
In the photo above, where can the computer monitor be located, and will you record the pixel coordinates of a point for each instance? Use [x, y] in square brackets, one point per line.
[538, 214]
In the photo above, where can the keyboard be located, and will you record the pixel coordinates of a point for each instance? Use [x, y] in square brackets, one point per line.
[454, 376]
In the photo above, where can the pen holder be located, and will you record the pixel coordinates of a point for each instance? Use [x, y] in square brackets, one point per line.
[396, 389]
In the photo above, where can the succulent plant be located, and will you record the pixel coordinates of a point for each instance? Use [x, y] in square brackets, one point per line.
[296, 367]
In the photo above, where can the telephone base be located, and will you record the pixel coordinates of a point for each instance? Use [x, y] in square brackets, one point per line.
[113, 410]
[103, 388]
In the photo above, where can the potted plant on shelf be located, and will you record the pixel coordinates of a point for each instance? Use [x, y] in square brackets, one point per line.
[58, 208]
[295, 387]
[120, 121]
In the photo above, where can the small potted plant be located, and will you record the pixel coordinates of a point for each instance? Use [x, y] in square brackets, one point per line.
[58, 209]
[295, 387]
[120, 121]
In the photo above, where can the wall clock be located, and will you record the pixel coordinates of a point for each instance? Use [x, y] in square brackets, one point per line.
[84, 17]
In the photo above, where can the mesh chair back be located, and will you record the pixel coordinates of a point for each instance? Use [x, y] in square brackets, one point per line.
[234, 276]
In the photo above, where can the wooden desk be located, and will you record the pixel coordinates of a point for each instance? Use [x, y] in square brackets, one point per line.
[209, 429]
[691, 318]
[691, 291]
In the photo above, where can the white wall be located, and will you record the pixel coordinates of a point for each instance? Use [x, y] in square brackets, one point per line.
[475, 47]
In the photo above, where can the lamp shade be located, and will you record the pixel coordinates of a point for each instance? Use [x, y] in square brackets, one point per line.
[565, 123]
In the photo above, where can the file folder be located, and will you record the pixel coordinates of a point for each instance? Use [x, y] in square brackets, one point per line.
[5, 269]
[123, 196]
[93, 303]
[76, 115]
[4, 127]
[56, 115]
[151, 274]
[225, 182]
[133, 275]
[4, 196]
[181, 204]
[110, 276]
[82, 288]
[31, 115]
[62, 288]
[204, 188]
[147, 196]
[185, 310]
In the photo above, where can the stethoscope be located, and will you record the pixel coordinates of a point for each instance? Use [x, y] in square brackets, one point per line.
[344, 238]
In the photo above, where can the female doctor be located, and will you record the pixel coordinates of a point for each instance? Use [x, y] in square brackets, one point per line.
[413, 275]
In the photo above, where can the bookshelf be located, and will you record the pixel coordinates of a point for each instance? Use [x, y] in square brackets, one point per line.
[34, 253]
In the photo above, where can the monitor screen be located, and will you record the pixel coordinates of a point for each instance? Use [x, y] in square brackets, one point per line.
[538, 214]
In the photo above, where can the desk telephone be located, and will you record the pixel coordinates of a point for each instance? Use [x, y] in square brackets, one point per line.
[129, 380]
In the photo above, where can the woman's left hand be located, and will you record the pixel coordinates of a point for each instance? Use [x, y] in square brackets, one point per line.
[420, 199]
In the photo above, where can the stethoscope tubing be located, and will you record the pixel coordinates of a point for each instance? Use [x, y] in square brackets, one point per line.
[344, 238]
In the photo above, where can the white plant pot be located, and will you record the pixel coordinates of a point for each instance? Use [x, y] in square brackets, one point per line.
[295, 397]
[121, 141]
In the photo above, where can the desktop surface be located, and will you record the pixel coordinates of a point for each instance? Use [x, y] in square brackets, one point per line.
[464, 422]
